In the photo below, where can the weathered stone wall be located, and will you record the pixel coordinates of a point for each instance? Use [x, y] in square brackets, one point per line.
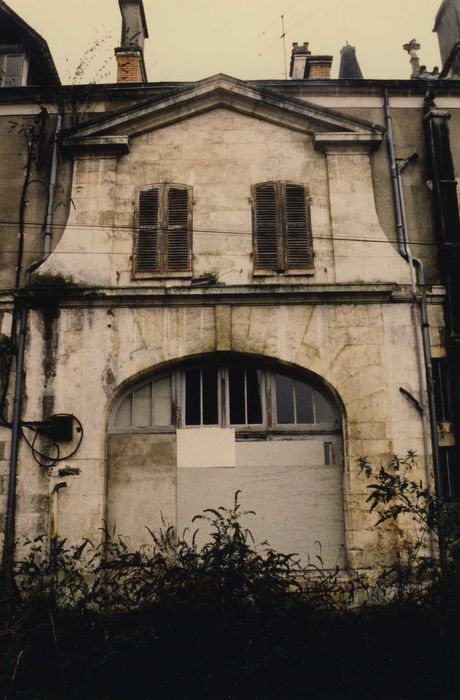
[364, 351]
[81, 354]
[221, 154]
[16, 125]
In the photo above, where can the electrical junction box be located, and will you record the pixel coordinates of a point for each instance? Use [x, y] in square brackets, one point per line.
[60, 428]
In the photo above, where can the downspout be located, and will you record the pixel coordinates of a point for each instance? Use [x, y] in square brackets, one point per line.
[425, 369]
[54, 513]
[20, 342]
[10, 518]
[52, 187]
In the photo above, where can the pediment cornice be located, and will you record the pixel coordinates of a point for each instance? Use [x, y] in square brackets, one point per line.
[220, 91]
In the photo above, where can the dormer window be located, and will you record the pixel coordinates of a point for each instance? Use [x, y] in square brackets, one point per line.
[12, 69]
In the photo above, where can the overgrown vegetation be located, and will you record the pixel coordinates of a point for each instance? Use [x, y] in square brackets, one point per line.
[231, 621]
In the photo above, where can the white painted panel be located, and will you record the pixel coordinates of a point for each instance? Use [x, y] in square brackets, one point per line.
[299, 507]
[206, 447]
[276, 452]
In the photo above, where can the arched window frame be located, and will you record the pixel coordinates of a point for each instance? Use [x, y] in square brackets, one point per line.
[163, 225]
[268, 394]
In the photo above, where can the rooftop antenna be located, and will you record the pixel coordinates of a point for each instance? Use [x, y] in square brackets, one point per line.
[283, 37]
[345, 20]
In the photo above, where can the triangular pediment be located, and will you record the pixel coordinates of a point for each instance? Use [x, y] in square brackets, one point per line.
[219, 91]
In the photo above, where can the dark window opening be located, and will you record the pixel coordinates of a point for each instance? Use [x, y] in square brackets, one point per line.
[450, 477]
[441, 388]
[245, 396]
[210, 394]
[285, 404]
[193, 397]
[201, 396]
[328, 454]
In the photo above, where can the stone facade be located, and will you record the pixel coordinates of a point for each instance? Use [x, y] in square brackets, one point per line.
[364, 351]
[349, 326]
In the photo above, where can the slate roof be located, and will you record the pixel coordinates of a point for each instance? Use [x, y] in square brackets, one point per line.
[12, 24]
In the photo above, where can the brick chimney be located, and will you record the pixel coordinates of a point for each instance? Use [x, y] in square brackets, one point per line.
[130, 54]
[304, 66]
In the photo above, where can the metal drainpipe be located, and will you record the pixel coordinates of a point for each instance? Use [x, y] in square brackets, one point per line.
[401, 229]
[54, 530]
[10, 517]
[52, 187]
[425, 368]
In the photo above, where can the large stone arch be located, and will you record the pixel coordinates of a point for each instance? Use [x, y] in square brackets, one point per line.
[291, 474]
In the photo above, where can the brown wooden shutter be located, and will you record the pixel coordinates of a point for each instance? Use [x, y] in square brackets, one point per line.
[178, 230]
[147, 258]
[267, 227]
[298, 241]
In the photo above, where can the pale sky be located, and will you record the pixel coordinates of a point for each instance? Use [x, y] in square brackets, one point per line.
[193, 39]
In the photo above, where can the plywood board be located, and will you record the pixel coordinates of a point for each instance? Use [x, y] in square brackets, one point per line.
[200, 448]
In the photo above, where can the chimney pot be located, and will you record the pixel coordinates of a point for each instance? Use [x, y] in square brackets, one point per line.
[130, 55]
[304, 66]
[298, 61]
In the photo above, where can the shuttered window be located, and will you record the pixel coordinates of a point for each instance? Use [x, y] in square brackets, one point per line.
[163, 239]
[281, 227]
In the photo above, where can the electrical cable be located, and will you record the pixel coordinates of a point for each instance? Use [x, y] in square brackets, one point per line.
[38, 455]
[209, 231]
[35, 452]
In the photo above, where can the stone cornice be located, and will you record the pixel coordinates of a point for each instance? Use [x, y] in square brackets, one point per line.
[102, 145]
[347, 142]
[223, 91]
[254, 295]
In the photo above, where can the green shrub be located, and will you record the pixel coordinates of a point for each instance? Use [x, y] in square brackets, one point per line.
[225, 621]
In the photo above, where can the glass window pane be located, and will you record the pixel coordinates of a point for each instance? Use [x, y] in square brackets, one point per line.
[192, 397]
[13, 70]
[162, 401]
[284, 399]
[441, 388]
[325, 411]
[236, 398]
[304, 402]
[210, 396]
[142, 404]
[328, 454]
[123, 416]
[254, 395]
